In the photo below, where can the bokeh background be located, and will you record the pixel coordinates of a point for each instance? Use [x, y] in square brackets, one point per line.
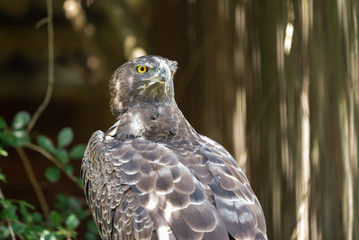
[274, 81]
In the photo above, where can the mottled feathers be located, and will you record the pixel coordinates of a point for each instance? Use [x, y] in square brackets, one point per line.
[151, 176]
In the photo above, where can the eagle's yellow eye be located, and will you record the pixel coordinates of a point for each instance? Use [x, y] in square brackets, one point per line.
[142, 69]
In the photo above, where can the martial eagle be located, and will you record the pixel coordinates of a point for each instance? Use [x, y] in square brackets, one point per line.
[152, 176]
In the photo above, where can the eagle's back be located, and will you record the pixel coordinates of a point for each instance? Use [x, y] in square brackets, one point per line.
[168, 183]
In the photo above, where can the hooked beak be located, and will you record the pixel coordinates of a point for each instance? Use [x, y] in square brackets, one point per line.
[164, 73]
[161, 84]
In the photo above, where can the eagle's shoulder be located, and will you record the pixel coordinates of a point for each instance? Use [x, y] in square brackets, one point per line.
[107, 188]
[93, 154]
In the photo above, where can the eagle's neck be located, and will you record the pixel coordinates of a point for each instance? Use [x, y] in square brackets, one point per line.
[152, 121]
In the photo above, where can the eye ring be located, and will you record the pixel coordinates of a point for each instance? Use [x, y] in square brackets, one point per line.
[142, 69]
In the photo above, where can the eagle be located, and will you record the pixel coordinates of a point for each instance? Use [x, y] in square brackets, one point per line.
[152, 176]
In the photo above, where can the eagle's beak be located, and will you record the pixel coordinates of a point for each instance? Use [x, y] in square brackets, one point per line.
[164, 73]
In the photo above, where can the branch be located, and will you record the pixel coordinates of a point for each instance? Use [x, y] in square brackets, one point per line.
[35, 184]
[51, 79]
[52, 159]
[41, 108]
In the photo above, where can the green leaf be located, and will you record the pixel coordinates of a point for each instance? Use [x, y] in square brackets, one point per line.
[80, 183]
[5, 232]
[69, 169]
[46, 144]
[62, 155]
[7, 139]
[47, 235]
[62, 202]
[91, 226]
[91, 236]
[8, 211]
[76, 208]
[21, 119]
[21, 138]
[15, 138]
[72, 222]
[26, 204]
[51, 236]
[3, 152]
[31, 232]
[18, 227]
[55, 219]
[2, 177]
[37, 217]
[4, 202]
[19, 133]
[78, 151]
[3, 124]
[65, 137]
[27, 217]
[52, 174]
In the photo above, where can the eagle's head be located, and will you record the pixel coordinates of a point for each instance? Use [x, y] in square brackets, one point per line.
[146, 79]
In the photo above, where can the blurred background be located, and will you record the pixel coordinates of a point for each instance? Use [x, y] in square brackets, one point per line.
[275, 82]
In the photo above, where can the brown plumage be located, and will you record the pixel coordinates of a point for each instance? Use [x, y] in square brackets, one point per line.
[152, 176]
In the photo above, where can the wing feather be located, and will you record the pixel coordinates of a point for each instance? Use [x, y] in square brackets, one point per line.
[233, 196]
[116, 210]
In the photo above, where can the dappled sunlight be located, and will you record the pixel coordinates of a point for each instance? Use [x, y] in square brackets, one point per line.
[289, 30]
[288, 37]
[75, 13]
[304, 173]
[93, 62]
[137, 52]
[286, 160]
[315, 228]
[348, 191]
[303, 184]
[239, 130]
[72, 9]
[306, 17]
[239, 115]
[131, 48]
[348, 105]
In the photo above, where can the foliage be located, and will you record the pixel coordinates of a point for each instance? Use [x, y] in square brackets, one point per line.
[64, 138]
[15, 135]
[19, 219]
